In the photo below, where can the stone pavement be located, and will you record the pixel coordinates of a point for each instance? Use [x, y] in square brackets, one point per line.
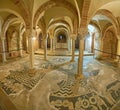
[52, 84]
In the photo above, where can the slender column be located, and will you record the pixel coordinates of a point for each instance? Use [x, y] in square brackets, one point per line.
[73, 47]
[118, 52]
[92, 43]
[45, 47]
[3, 50]
[21, 30]
[118, 47]
[20, 45]
[51, 44]
[80, 59]
[26, 40]
[69, 44]
[54, 45]
[30, 47]
[81, 52]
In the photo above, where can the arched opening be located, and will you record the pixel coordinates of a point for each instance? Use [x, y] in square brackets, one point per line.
[109, 44]
[61, 40]
[92, 39]
[12, 38]
[88, 43]
[40, 40]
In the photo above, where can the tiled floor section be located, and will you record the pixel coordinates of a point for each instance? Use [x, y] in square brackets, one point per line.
[52, 85]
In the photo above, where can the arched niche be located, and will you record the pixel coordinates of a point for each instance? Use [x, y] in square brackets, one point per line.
[109, 44]
[12, 39]
[61, 40]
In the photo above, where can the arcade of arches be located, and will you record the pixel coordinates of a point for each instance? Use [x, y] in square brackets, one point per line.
[59, 54]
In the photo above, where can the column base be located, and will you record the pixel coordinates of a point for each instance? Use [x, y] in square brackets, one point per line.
[32, 72]
[72, 60]
[4, 61]
[45, 59]
[79, 76]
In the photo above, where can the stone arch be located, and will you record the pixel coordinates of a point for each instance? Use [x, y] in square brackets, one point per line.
[25, 12]
[61, 38]
[62, 22]
[14, 13]
[12, 37]
[108, 14]
[51, 4]
[109, 43]
[7, 23]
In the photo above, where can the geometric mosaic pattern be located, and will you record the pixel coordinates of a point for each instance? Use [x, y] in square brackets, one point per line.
[66, 88]
[66, 98]
[18, 80]
[67, 93]
[89, 101]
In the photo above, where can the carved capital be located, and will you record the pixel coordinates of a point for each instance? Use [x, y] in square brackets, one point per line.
[73, 36]
[82, 33]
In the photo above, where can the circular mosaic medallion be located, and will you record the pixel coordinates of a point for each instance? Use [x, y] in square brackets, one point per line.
[92, 100]
[85, 103]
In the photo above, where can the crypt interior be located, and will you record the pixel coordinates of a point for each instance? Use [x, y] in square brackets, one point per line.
[59, 54]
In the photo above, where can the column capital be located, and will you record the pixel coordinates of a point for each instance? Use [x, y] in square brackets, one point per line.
[82, 32]
[73, 36]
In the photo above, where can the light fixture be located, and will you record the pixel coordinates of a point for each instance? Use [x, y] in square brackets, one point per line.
[33, 38]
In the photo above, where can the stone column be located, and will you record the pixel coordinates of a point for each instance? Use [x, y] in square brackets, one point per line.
[81, 52]
[54, 44]
[73, 47]
[21, 31]
[45, 47]
[30, 47]
[92, 43]
[3, 50]
[26, 40]
[69, 44]
[20, 45]
[118, 52]
[51, 44]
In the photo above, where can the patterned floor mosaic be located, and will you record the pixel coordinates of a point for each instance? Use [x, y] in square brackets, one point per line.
[65, 100]
[18, 80]
[53, 86]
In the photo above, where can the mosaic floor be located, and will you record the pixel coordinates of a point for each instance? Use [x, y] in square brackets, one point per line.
[52, 84]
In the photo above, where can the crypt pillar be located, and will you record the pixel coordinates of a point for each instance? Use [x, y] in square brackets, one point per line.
[29, 31]
[3, 50]
[118, 52]
[20, 45]
[92, 42]
[81, 36]
[73, 46]
[45, 46]
[51, 44]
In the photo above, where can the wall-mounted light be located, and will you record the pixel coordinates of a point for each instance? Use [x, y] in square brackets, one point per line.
[33, 38]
